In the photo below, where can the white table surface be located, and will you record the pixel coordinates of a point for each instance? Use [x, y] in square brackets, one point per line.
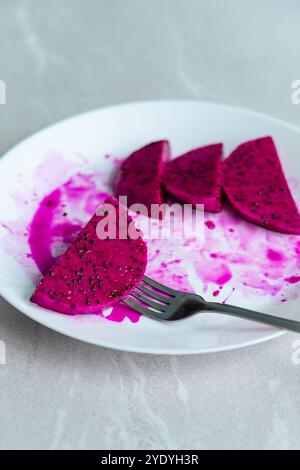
[59, 58]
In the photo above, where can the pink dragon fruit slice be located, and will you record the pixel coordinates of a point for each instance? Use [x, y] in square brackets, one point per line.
[255, 185]
[93, 273]
[139, 177]
[195, 177]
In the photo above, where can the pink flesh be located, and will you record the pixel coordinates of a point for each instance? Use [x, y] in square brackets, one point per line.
[256, 187]
[139, 177]
[93, 273]
[195, 177]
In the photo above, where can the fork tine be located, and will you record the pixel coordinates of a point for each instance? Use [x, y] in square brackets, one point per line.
[155, 295]
[147, 301]
[159, 286]
[140, 309]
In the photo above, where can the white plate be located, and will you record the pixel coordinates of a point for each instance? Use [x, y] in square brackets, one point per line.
[82, 144]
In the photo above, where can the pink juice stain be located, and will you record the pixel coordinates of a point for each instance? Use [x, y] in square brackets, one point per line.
[210, 224]
[293, 279]
[235, 256]
[275, 255]
[40, 232]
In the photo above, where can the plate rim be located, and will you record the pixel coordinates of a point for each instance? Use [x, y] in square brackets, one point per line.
[155, 351]
[7, 152]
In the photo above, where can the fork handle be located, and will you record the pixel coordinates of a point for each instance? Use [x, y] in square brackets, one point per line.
[263, 318]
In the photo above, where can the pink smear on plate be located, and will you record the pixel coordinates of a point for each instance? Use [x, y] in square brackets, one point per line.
[235, 257]
[293, 279]
[210, 224]
[275, 255]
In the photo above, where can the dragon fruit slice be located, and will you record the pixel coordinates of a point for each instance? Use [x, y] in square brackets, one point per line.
[195, 177]
[93, 273]
[140, 175]
[256, 187]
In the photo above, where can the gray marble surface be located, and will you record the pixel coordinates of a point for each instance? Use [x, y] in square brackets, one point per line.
[59, 58]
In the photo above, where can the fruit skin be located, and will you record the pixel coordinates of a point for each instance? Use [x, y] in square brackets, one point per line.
[255, 185]
[196, 177]
[93, 273]
[139, 177]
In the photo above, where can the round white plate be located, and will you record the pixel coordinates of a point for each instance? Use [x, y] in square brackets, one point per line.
[118, 130]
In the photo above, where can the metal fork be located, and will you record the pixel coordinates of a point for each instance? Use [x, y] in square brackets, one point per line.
[160, 302]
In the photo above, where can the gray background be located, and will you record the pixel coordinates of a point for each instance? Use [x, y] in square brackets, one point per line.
[60, 58]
